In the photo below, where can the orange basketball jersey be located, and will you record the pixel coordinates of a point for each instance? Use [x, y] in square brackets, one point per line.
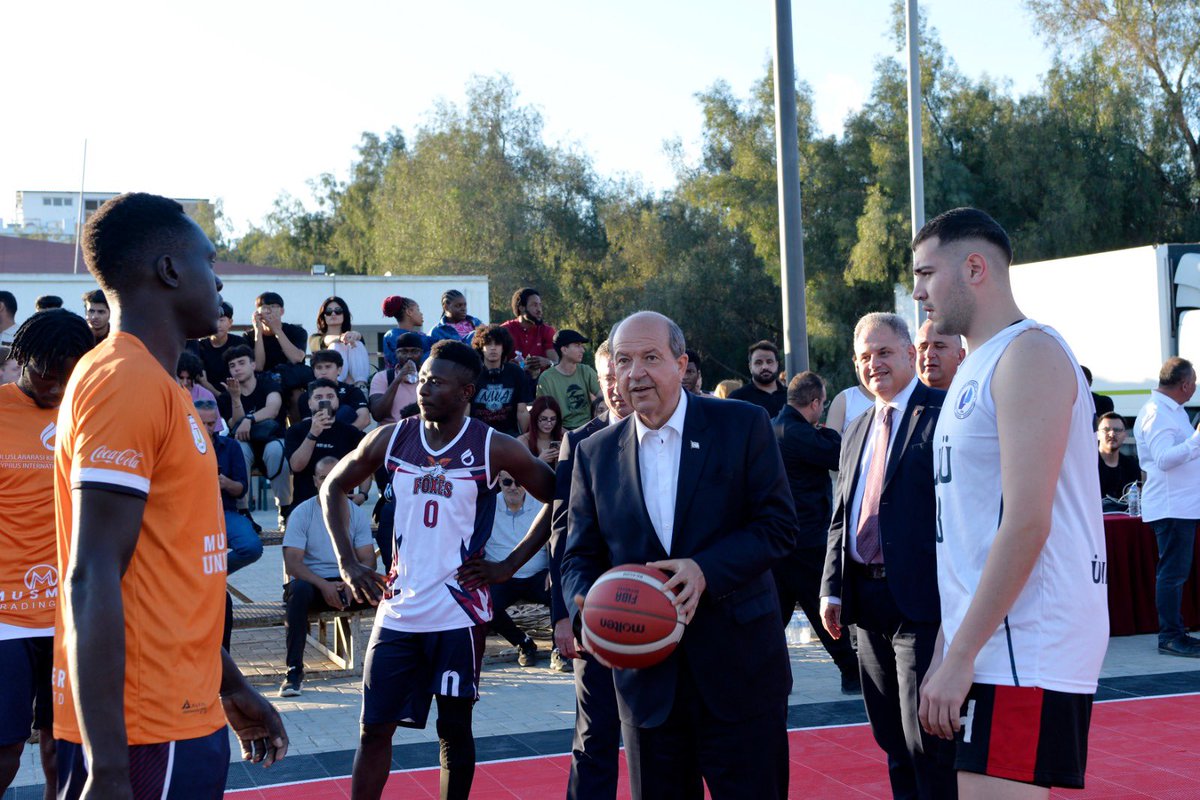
[126, 426]
[28, 550]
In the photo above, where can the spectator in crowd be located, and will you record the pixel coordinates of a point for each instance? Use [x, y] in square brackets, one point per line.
[727, 387]
[47, 301]
[10, 370]
[189, 372]
[570, 382]
[532, 338]
[334, 332]
[279, 350]
[597, 740]
[244, 545]
[456, 323]
[409, 319]
[314, 584]
[1102, 403]
[881, 569]
[310, 440]
[46, 347]
[1169, 452]
[96, 311]
[251, 406]
[503, 395]
[810, 452]
[692, 378]
[765, 389]
[1117, 470]
[352, 405]
[546, 431]
[847, 406]
[393, 393]
[212, 349]
[938, 356]
[531, 582]
[8, 317]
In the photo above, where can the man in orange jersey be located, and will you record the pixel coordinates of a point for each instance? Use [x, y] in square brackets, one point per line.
[142, 688]
[45, 348]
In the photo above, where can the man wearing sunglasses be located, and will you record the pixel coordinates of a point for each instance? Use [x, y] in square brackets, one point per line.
[531, 582]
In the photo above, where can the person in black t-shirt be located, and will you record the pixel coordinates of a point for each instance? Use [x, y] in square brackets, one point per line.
[279, 348]
[1117, 470]
[320, 435]
[764, 389]
[352, 405]
[504, 394]
[212, 352]
[252, 408]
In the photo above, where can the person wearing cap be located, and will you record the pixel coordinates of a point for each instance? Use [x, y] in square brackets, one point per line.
[571, 382]
[392, 395]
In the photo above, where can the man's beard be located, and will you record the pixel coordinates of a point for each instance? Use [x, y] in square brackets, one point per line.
[766, 377]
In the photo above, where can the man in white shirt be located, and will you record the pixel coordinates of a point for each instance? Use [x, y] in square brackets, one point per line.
[1169, 451]
[514, 518]
[696, 487]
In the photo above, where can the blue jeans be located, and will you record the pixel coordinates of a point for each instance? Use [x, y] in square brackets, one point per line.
[244, 545]
[1176, 543]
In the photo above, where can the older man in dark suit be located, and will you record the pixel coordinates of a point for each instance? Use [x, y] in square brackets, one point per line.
[880, 570]
[695, 487]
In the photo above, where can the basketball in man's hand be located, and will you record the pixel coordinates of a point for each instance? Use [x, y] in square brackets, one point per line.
[629, 617]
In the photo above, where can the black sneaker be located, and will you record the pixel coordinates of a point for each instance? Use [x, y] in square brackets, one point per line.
[527, 652]
[1185, 646]
[851, 683]
[291, 684]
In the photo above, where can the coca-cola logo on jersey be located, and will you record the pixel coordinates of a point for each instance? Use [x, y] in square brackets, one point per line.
[131, 459]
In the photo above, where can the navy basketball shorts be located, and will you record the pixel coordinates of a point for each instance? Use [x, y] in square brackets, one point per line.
[403, 671]
[190, 769]
[25, 702]
[1025, 734]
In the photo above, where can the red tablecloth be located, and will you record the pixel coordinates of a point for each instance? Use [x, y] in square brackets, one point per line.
[1132, 558]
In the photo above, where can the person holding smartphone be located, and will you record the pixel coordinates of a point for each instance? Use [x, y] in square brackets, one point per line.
[545, 431]
[321, 435]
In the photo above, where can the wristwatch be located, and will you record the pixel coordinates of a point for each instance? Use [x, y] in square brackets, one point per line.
[311, 438]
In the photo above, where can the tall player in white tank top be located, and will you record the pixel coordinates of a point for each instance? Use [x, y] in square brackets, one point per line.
[1021, 567]
[434, 602]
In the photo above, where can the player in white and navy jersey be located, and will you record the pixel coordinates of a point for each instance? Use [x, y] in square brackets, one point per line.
[434, 603]
[1020, 536]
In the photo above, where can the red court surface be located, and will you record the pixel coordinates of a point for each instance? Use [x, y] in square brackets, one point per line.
[1139, 749]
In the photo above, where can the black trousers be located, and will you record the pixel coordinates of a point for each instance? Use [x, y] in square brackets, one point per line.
[798, 580]
[597, 743]
[531, 589]
[737, 760]
[302, 599]
[893, 655]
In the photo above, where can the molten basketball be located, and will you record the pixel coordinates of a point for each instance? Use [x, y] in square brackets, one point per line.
[629, 619]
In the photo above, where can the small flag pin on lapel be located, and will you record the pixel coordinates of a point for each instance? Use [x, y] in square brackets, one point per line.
[695, 445]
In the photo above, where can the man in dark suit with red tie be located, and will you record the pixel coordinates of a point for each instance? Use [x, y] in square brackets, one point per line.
[881, 570]
[694, 486]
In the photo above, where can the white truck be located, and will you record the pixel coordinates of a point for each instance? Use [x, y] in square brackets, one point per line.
[1123, 312]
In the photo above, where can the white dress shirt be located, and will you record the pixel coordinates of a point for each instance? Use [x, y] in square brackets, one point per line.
[658, 459]
[1169, 451]
[898, 404]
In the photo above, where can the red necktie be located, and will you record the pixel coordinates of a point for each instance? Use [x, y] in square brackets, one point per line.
[869, 548]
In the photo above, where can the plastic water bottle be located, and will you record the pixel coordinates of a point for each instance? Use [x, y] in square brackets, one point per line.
[520, 359]
[1134, 501]
[799, 631]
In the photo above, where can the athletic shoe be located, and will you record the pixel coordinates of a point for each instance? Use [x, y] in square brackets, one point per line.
[527, 652]
[1185, 646]
[560, 664]
[291, 684]
[851, 683]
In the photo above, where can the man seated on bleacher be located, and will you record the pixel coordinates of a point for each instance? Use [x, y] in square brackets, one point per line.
[244, 545]
[529, 583]
[311, 565]
[318, 436]
[352, 404]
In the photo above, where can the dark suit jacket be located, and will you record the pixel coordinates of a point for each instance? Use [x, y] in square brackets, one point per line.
[733, 516]
[558, 517]
[907, 511]
[809, 453]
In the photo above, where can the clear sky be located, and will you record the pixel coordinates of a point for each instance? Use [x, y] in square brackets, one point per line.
[243, 100]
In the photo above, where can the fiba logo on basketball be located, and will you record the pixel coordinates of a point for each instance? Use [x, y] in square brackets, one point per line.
[118, 458]
[627, 596]
[966, 400]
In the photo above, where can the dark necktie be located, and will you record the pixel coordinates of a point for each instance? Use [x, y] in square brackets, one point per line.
[869, 548]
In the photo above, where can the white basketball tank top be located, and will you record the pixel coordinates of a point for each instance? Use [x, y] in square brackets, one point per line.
[1056, 632]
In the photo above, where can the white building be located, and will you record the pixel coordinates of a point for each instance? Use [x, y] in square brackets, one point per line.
[55, 213]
